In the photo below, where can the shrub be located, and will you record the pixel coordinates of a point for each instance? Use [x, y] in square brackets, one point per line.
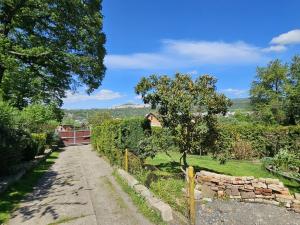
[38, 118]
[265, 141]
[40, 139]
[242, 150]
[112, 137]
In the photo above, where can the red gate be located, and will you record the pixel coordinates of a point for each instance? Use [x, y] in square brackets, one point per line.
[75, 137]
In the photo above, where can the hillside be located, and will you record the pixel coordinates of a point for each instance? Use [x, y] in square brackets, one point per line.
[242, 104]
[132, 110]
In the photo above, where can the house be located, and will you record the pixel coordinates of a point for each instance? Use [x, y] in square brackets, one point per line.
[154, 122]
[67, 127]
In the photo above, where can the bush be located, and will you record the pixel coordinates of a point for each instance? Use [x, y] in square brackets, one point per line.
[112, 137]
[16, 144]
[242, 150]
[265, 141]
[40, 139]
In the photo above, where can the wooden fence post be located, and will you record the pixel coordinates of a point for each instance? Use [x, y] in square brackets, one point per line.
[126, 160]
[191, 195]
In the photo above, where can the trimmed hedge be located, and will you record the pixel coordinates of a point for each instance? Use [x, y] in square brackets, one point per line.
[114, 136]
[266, 141]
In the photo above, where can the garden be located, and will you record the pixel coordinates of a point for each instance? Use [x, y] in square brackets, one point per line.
[264, 143]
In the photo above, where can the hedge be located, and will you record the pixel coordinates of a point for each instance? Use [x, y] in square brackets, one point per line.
[266, 141]
[112, 137]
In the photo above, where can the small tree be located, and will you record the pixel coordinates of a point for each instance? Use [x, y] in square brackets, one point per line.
[186, 107]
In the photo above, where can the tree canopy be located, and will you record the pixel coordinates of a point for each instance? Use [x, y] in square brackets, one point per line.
[275, 94]
[48, 47]
[186, 107]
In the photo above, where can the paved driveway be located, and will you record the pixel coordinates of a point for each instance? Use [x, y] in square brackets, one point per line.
[78, 189]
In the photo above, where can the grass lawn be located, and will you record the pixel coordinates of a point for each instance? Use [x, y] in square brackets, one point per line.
[10, 199]
[232, 167]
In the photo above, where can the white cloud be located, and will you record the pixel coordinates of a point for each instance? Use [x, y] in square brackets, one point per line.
[102, 95]
[275, 48]
[138, 97]
[291, 37]
[235, 92]
[175, 54]
[214, 52]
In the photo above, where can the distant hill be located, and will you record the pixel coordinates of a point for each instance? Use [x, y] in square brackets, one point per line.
[139, 110]
[242, 104]
[130, 105]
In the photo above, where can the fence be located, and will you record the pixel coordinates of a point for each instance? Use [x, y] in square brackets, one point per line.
[75, 137]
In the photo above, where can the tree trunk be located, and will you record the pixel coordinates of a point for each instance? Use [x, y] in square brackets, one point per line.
[183, 158]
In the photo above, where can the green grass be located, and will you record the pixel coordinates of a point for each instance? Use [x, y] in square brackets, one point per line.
[232, 167]
[10, 199]
[140, 202]
[170, 190]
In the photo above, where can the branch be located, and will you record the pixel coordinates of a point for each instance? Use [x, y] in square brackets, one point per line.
[28, 56]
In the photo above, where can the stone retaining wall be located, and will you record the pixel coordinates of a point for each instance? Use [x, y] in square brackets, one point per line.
[249, 189]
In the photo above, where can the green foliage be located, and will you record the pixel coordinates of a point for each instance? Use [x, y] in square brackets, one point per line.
[186, 107]
[131, 132]
[98, 118]
[39, 118]
[116, 113]
[170, 190]
[161, 140]
[16, 143]
[48, 47]
[286, 161]
[242, 149]
[232, 167]
[40, 139]
[112, 137]
[264, 140]
[275, 93]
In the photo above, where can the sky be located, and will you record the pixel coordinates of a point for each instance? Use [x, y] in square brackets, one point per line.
[227, 39]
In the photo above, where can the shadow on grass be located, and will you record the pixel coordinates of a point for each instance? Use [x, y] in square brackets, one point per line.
[10, 199]
[174, 168]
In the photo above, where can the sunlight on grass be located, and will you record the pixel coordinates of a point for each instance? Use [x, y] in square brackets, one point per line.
[232, 167]
[10, 199]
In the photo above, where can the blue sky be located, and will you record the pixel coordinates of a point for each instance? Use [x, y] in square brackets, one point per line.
[224, 38]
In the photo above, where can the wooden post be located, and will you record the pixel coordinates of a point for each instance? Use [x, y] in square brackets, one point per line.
[126, 160]
[191, 195]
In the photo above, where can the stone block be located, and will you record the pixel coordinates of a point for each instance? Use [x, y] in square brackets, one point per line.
[247, 194]
[248, 187]
[234, 191]
[297, 196]
[164, 209]
[142, 190]
[284, 198]
[207, 192]
[259, 185]
[275, 188]
[128, 178]
[272, 181]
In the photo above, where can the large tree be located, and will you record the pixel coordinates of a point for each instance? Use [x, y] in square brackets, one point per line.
[187, 107]
[268, 91]
[48, 47]
[275, 94]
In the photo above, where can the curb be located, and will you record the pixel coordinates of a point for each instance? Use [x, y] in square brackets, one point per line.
[163, 208]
